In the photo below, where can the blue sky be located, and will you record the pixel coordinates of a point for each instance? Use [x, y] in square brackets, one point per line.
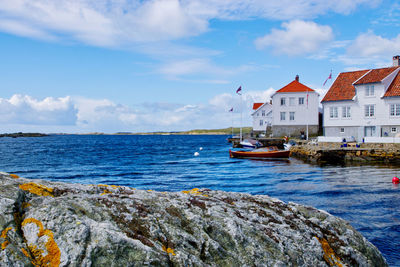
[81, 66]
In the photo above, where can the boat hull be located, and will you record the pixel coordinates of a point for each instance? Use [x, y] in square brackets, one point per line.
[260, 154]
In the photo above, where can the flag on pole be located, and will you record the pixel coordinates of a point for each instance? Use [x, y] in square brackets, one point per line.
[239, 90]
[329, 77]
[231, 110]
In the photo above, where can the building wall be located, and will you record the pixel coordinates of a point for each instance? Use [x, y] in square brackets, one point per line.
[303, 114]
[266, 119]
[293, 130]
[381, 120]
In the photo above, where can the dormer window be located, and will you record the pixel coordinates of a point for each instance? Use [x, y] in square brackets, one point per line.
[369, 90]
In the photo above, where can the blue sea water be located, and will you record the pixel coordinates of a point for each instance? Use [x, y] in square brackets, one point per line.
[362, 195]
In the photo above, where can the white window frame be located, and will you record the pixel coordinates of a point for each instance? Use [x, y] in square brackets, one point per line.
[369, 111]
[370, 90]
[261, 122]
[333, 112]
[291, 115]
[393, 129]
[283, 101]
[346, 112]
[283, 116]
[263, 113]
[301, 101]
[292, 101]
[342, 130]
[394, 110]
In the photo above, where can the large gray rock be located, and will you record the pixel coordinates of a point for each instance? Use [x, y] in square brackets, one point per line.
[49, 224]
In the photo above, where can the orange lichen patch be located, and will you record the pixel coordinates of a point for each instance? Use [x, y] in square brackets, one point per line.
[4, 235]
[105, 192]
[25, 205]
[150, 190]
[194, 191]
[37, 189]
[50, 254]
[329, 255]
[168, 250]
[115, 186]
[14, 176]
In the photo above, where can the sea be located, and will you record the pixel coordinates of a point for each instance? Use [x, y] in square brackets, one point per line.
[363, 195]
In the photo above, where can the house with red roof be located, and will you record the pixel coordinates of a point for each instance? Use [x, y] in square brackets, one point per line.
[262, 117]
[295, 109]
[363, 104]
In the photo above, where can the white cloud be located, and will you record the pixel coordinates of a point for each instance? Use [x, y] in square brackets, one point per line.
[27, 110]
[201, 66]
[82, 115]
[298, 37]
[369, 48]
[123, 22]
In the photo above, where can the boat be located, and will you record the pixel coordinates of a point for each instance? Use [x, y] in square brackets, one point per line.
[261, 153]
[250, 143]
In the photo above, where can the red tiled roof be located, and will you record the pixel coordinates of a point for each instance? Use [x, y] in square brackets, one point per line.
[376, 75]
[257, 105]
[394, 88]
[342, 88]
[295, 86]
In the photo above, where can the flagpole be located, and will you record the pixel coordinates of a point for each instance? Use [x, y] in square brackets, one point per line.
[232, 123]
[241, 115]
[307, 118]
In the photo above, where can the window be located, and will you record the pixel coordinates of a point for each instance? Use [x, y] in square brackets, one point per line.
[346, 112]
[291, 101]
[261, 122]
[291, 116]
[258, 114]
[333, 112]
[369, 90]
[283, 101]
[283, 116]
[301, 100]
[263, 113]
[369, 110]
[395, 110]
[394, 130]
[341, 130]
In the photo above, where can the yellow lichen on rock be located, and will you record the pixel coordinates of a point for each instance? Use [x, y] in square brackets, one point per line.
[47, 255]
[37, 189]
[168, 250]
[194, 191]
[14, 176]
[105, 191]
[4, 235]
[329, 255]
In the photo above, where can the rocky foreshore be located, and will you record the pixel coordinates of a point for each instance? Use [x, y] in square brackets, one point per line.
[347, 155]
[45, 223]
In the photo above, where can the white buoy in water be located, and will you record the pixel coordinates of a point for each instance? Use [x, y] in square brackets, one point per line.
[201, 148]
[196, 154]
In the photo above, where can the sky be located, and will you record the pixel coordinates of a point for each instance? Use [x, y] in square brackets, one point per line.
[79, 66]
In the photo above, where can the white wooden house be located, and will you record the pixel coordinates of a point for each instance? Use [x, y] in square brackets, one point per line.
[363, 104]
[294, 110]
[262, 117]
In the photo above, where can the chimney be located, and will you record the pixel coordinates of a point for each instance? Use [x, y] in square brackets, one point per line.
[396, 61]
[297, 76]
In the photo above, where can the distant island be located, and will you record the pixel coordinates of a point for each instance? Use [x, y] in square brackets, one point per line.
[20, 134]
[224, 131]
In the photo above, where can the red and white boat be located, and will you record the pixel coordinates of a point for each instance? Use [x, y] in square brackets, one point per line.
[261, 153]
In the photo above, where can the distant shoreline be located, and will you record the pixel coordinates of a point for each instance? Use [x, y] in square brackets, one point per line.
[225, 131]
